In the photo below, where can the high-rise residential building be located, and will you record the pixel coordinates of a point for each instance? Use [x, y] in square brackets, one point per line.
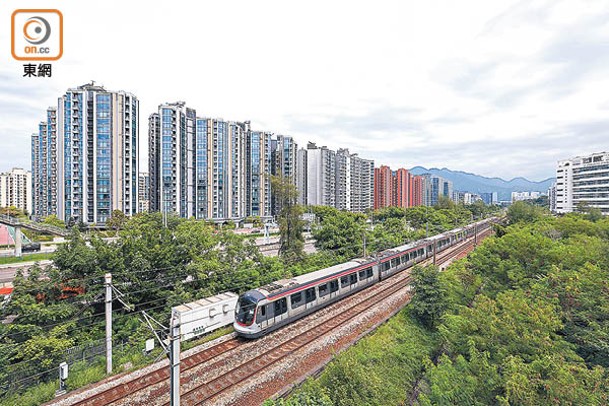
[85, 156]
[583, 181]
[383, 184]
[154, 147]
[362, 184]
[44, 166]
[16, 189]
[172, 166]
[321, 176]
[207, 168]
[434, 187]
[418, 188]
[402, 188]
[258, 171]
[552, 197]
[283, 156]
[342, 198]
[354, 182]
[284, 151]
[301, 176]
[393, 188]
[144, 192]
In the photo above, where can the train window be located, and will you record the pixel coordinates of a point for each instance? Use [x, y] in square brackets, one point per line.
[386, 266]
[344, 281]
[323, 290]
[394, 263]
[353, 278]
[333, 285]
[369, 273]
[296, 300]
[261, 315]
[404, 259]
[280, 306]
[362, 274]
[310, 295]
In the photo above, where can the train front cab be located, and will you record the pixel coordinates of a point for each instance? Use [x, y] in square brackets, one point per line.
[246, 313]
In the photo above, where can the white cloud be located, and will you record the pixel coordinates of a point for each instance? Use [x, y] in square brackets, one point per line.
[469, 85]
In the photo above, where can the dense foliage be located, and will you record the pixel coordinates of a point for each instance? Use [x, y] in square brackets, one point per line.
[524, 320]
[57, 309]
[350, 234]
[155, 267]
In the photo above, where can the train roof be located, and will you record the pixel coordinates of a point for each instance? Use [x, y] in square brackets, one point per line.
[286, 284]
[404, 247]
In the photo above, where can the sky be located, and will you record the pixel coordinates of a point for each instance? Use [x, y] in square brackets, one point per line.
[498, 88]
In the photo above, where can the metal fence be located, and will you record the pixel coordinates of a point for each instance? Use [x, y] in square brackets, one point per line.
[28, 373]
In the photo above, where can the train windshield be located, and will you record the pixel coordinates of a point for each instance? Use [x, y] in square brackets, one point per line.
[246, 307]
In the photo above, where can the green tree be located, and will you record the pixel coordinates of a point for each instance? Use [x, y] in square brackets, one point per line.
[291, 226]
[117, 220]
[13, 212]
[429, 300]
[340, 232]
[53, 220]
[525, 212]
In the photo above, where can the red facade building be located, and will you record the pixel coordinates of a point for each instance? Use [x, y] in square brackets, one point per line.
[418, 183]
[394, 188]
[382, 187]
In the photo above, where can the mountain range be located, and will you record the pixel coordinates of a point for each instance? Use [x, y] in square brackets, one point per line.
[470, 182]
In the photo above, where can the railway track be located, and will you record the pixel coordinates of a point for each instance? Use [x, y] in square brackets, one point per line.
[160, 375]
[206, 391]
[211, 388]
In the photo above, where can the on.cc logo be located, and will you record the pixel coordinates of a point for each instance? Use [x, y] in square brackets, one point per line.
[37, 35]
[36, 30]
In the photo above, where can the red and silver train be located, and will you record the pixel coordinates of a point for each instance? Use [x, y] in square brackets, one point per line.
[265, 309]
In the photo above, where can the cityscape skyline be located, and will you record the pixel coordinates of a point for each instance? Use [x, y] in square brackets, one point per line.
[509, 79]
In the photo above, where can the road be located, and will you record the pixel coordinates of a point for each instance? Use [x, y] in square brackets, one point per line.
[8, 271]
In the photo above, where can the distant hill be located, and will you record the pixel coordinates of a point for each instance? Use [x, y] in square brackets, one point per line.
[469, 182]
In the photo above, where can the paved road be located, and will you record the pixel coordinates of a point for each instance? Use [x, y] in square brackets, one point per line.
[8, 271]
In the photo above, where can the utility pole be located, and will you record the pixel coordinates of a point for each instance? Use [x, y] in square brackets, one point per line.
[174, 358]
[18, 242]
[364, 243]
[108, 283]
[475, 234]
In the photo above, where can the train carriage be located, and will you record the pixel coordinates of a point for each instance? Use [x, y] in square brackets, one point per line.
[262, 310]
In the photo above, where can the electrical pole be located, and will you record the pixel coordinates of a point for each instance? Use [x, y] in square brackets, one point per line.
[108, 283]
[174, 358]
[364, 243]
[475, 234]
[18, 242]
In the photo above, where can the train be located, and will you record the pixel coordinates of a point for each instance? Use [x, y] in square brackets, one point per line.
[260, 311]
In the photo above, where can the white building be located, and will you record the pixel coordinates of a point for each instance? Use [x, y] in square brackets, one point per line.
[16, 189]
[321, 176]
[85, 156]
[519, 196]
[144, 192]
[552, 197]
[583, 180]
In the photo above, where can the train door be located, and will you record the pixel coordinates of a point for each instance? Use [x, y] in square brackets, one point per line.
[310, 297]
[265, 315]
[280, 309]
[333, 284]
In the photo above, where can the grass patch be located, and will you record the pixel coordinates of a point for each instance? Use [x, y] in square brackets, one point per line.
[379, 370]
[26, 258]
